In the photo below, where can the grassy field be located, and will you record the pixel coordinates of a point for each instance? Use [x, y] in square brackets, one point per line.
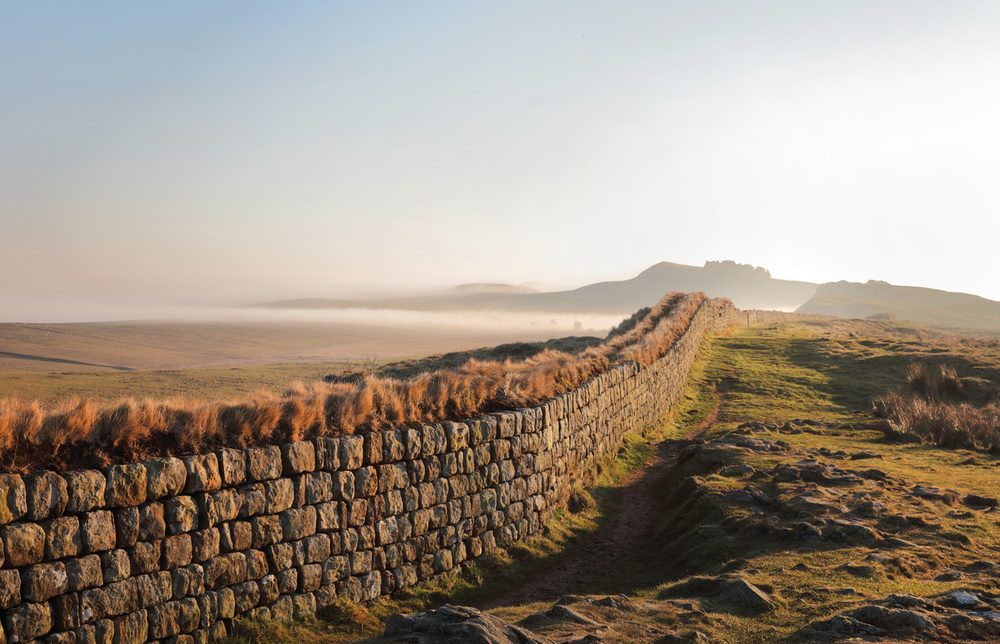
[829, 374]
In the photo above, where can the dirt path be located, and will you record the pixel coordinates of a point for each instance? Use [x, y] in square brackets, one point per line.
[605, 552]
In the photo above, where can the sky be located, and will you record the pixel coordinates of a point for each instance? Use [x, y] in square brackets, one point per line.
[216, 153]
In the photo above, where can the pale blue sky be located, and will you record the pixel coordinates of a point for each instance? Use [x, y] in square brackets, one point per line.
[230, 151]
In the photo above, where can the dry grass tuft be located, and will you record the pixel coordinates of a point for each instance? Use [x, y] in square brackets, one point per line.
[81, 433]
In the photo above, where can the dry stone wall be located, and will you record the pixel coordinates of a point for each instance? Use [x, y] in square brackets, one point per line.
[175, 549]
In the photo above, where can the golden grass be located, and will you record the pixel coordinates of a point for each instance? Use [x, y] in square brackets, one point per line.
[85, 433]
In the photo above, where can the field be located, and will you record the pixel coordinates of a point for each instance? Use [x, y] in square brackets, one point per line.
[800, 519]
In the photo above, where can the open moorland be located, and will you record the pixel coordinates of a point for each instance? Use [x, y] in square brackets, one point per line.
[786, 500]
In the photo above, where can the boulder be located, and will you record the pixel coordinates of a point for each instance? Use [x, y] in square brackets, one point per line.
[456, 625]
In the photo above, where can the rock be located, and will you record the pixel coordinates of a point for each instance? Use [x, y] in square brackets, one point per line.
[618, 602]
[298, 457]
[976, 501]
[165, 477]
[47, 495]
[62, 538]
[962, 599]
[86, 490]
[738, 470]
[263, 463]
[202, 473]
[951, 575]
[232, 466]
[741, 592]
[24, 544]
[10, 589]
[456, 625]
[858, 570]
[567, 614]
[97, 531]
[127, 485]
[859, 456]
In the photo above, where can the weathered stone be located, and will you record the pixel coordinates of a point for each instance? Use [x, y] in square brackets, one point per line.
[152, 590]
[132, 628]
[232, 465]
[303, 606]
[245, 596]
[268, 585]
[46, 494]
[151, 522]
[145, 557]
[227, 606]
[97, 531]
[281, 610]
[279, 495]
[263, 463]
[26, 622]
[24, 543]
[313, 488]
[298, 457]
[174, 618]
[42, 582]
[335, 569]
[181, 514]
[165, 477]
[62, 538]
[116, 565]
[225, 570]
[457, 624]
[10, 588]
[328, 516]
[317, 548]
[126, 526]
[127, 485]
[310, 577]
[241, 535]
[257, 564]
[297, 523]
[177, 551]
[266, 530]
[343, 486]
[351, 452]
[742, 593]
[204, 544]
[280, 557]
[65, 612]
[366, 482]
[202, 473]
[84, 572]
[85, 489]
[188, 581]
[110, 600]
[254, 500]
[218, 507]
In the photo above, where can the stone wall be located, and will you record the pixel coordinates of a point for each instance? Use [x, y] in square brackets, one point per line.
[175, 549]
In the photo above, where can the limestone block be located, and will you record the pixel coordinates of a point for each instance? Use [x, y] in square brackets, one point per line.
[279, 557]
[116, 565]
[313, 488]
[265, 530]
[246, 596]
[127, 485]
[366, 482]
[165, 477]
[372, 448]
[393, 445]
[126, 526]
[181, 514]
[298, 457]
[177, 551]
[297, 523]
[204, 544]
[132, 628]
[152, 524]
[328, 516]
[317, 548]
[405, 576]
[24, 543]
[202, 473]
[371, 586]
[335, 569]
[46, 494]
[154, 589]
[26, 622]
[351, 452]
[288, 580]
[145, 557]
[241, 535]
[412, 440]
[218, 507]
[85, 489]
[434, 440]
[225, 570]
[263, 463]
[457, 435]
[279, 495]
[10, 588]
[343, 486]
[310, 578]
[254, 500]
[281, 610]
[361, 562]
[208, 607]
[233, 466]
[110, 600]
[227, 607]
[62, 537]
[387, 531]
[174, 618]
[257, 565]
[84, 572]
[268, 585]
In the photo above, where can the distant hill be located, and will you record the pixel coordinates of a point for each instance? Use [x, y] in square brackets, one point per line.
[916, 304]
[747, 286]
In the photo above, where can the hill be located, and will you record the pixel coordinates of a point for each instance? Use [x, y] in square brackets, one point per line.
[747, 286]
[916, 304]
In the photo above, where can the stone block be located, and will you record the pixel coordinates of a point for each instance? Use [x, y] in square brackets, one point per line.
[268, 585]
[317, 548]
[225, 570]
[132, 628]
[85, 489]
[181, 514]
[457, 435]
[65, 612]
[393, 446]
[46, 495]
[145, 557]
[241, 534]
[265, 531]
[177, 551]
[372, 448]
[343, 486]
[24, 544]
[10, 588]
[227, 606]
[288, 580]
[245, 597]
[208, 606]
[84, 572]
[351, 452]
[110, 600]
[316, 487]
[279, 557]
[155, 589]
[26, 622]
[126, 486]
[62, 537]
[413, 442]
[126, 526]
[366, 482]
[204, 544]
[257, 565]
[281, 610]
[188, 581]
[232, 466]
[219, 507]
[310, 577]
[116, 565]
[174, 618]
[202, 473]
[279, 495]
[298, 457]
[335, 569]
[327, 453]
[297, 523]
[263, 463]
[165, 477]
[253, 500]
[328, 516]
[152, 524]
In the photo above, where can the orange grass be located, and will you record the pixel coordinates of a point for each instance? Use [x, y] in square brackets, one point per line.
[82, 433]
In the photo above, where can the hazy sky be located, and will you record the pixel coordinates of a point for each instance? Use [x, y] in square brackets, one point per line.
[217, 152]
